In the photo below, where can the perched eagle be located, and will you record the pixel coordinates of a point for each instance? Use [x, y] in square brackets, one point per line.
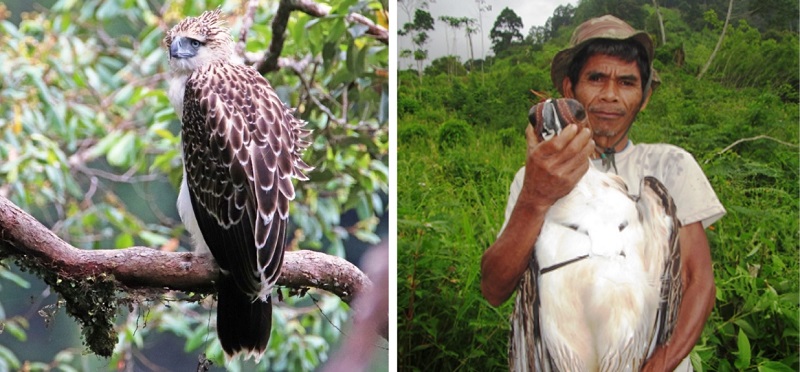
[241, 148]
[603, 287]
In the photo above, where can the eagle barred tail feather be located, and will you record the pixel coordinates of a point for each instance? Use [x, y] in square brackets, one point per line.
[243, 325]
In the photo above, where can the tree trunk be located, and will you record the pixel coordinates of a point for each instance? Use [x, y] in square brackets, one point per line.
[719, 42]
[660, 23]
[471, 50]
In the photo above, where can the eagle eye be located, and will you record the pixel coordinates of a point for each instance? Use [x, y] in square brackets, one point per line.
[195, 43]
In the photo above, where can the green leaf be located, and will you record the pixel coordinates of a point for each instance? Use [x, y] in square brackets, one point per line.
[18, 280]
[121, 153]
[67, 368]
[329, 52]
[743, 354]
[352, 55]
[124, 241]
[745, 325]
[153, 239]
[336, 30]
[363, 208]
[163, 133]
[772, 366]
[367, 237]
[8, 356]
[16, 329]
[105, 144]
[196, 339]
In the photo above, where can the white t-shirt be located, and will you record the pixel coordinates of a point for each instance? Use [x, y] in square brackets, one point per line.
[695, 199]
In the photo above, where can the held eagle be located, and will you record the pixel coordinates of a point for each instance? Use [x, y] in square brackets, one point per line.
[241, 149]
[603, 287]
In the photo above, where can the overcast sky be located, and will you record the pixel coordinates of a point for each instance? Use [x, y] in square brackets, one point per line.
[532, 12]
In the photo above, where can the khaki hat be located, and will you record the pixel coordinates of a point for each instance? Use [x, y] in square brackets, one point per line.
[605, 27]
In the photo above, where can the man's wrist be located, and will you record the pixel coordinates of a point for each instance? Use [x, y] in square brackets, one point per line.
[532, 203]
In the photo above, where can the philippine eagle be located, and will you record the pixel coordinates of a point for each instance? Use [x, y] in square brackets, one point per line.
[241, 149]
[603, 286]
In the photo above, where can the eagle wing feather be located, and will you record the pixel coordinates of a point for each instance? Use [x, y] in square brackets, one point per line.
[240, 142]
[660, 212]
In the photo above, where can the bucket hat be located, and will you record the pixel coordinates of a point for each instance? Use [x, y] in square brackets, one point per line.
[605, 27]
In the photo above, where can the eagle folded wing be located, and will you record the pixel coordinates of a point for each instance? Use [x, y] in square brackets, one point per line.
[658, 209]
[242, 154]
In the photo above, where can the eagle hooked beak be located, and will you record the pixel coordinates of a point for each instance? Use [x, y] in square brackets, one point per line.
[184, 47]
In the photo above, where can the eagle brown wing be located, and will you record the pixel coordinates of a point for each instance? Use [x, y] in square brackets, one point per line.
[242, 147]
[660, 212]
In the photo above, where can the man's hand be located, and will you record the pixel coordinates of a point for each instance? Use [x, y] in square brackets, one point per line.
[551, 171]
[554, 167]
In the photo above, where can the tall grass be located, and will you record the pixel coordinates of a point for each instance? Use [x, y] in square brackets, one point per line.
[451, 201]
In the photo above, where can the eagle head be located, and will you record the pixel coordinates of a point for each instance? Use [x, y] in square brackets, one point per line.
[548, 118]
[197, 41]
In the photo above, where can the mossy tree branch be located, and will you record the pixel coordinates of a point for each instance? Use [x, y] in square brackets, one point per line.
[89, 280]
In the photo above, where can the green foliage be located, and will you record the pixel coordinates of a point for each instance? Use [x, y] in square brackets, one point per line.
[454, 133]
[510, 137]
[418, 31]
[506, 31]
[90, 145]
[770, 64]
[412, 132]
[407, 105]
[740, 122]
[449, 65]
[629, 10]
[447, 199]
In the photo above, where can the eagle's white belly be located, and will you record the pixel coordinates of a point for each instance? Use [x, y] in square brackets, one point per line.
[186, 211]
[601, 309]
[177, 88]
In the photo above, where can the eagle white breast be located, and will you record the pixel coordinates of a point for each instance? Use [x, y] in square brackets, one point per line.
[603, 288]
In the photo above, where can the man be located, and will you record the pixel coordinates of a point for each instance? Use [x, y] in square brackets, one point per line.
[608, 68]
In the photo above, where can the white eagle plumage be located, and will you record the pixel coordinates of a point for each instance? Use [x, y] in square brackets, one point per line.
[603, 288]
[241, 149]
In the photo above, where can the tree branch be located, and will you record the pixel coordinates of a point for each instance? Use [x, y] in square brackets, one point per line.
[719, 42]
[269, 61]
[741, 140]
[247, 22]
[89, 280]
[378, 32]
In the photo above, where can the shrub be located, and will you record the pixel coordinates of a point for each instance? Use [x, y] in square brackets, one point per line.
[412, 132]
[406, 105]
[455, 133]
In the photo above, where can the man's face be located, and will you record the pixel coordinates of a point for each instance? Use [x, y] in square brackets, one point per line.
[611, 91]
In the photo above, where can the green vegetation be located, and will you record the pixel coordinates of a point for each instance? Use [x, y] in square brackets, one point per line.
[740, 122]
